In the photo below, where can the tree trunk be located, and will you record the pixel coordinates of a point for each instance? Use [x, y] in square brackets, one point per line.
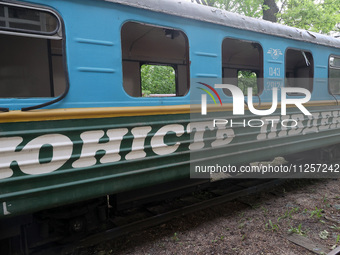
[270, 14]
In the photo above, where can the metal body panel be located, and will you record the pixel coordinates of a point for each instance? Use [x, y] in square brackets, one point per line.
[49, 163]
[99, 157]
[60, 162]
[93, 51]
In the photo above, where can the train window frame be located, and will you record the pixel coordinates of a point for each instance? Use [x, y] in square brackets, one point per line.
[329, 70]
[132, 62]
[5, 18]
[55, 48]
[235, 68]
[311, 74]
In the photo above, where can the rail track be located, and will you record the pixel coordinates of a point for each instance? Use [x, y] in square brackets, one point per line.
[153, 214]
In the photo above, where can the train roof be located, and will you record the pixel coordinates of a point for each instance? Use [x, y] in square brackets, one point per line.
[217, 16]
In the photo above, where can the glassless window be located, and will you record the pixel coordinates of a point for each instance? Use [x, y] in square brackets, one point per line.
[334, 75]
[158, 80]
[16, 18]
[242, 65]
[299, 69]
[31, 63]
[155, 61]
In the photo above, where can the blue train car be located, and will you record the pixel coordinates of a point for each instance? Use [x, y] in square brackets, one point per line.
[76, 123]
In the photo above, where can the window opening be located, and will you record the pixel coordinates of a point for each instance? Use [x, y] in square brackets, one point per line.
[16, 18]
[31, 63]
[334, 75]
[155, 61]
[299, 69]
[242, 65]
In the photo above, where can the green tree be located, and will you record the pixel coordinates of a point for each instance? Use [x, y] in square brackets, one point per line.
[247, 79]
[321, 16]
[158, 79]
[318, 16]
[251, 8]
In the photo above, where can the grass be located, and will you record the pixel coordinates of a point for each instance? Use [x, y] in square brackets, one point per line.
[271, 226]
[337, 241]
[241, 225]
[297, 230]
[265, 210]
[317, 213]
[288, 214]
[335, 227]
[175, 237]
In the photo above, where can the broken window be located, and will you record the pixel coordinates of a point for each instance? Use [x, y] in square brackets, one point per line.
[155, 61]
[299, 69]
[242, 65]
[334, 75]
[31, 63]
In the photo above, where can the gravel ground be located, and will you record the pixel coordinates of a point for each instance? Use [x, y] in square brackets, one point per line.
[257, 224]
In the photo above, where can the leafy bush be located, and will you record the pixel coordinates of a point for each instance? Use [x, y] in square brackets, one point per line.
[158, 79]
[247, 79]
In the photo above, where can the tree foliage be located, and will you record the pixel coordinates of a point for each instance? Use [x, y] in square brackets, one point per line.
[321, 16]
[251, 8]
[318, 16]
[158, 79]
[247, 79]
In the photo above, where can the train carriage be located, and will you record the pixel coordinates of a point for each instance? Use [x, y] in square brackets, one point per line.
[77, 125]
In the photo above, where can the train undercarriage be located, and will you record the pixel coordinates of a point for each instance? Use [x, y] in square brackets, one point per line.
[31, 233]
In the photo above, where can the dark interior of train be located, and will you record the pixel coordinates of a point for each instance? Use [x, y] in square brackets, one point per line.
[158, 46]
[242, 65]
[299, 69]
[31, 67]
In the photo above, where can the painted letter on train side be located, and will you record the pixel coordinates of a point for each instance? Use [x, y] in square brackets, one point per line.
[28, 159]
[91, 145]
[157, 142]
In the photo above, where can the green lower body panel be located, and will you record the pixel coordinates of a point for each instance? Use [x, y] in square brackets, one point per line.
[45, 164]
